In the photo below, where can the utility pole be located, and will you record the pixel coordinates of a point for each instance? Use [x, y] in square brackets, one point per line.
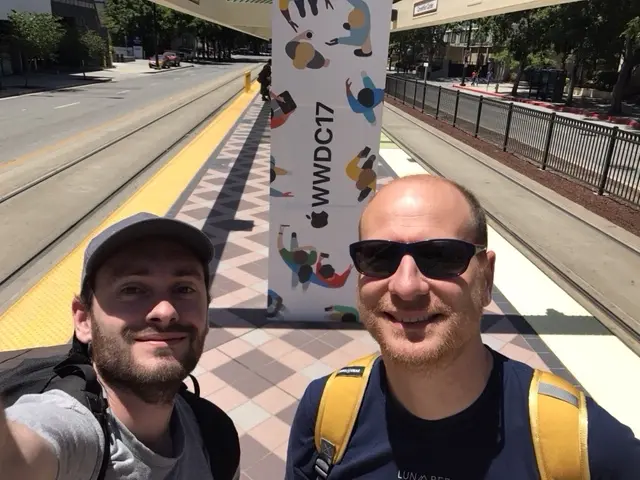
[467, 55]
[155, 32]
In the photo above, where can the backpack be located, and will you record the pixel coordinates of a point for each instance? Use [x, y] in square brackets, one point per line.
[557, 415]
[74, 374]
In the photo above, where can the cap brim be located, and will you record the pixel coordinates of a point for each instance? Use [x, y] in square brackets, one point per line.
[182, 233]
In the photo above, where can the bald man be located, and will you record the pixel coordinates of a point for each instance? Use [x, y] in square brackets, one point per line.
[438, 404]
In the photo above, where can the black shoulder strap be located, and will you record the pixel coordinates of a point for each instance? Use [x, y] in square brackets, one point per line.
[78, 379]
[219, 436]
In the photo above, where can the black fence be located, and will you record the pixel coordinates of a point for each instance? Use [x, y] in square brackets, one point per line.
[604, 158]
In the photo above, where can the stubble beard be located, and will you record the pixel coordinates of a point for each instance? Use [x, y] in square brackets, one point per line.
[114, 362]
[442, 345]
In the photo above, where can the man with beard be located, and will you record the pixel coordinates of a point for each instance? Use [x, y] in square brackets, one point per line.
[438, 403]
[141, 318]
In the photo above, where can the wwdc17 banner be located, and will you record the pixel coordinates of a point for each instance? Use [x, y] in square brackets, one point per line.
[328, 79]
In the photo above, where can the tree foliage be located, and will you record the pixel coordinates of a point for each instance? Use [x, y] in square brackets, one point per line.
[38, 35]
[93, 45]
[128, 18]
[521, 34]
[591, 32]
[423, 41]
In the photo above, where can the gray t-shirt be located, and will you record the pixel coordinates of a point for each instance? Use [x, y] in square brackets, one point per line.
[77, 439]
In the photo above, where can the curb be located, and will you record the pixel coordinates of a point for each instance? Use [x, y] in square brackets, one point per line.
[172, 69]
[477, 90]
[62, 87]
[630, 122]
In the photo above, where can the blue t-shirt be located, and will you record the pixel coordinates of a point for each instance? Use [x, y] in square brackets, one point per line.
[490, 440]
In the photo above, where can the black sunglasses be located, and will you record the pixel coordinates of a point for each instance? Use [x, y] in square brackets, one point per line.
[440, 258]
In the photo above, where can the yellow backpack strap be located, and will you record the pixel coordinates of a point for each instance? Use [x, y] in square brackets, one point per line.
[338, 410]
[558, 417]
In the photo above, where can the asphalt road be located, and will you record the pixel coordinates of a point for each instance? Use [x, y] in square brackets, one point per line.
[576, 148]
[28, 123]
[32, 220]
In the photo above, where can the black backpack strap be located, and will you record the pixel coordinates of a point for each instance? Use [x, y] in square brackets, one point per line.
[219, 436]
[78, 379]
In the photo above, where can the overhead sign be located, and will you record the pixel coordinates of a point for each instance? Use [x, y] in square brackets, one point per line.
[329, 74]
[424, 6]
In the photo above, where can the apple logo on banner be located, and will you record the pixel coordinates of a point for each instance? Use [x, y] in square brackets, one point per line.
[319, 219]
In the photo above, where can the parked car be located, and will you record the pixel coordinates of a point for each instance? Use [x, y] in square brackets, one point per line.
[172, 58]
[162, 60]
[186, 54]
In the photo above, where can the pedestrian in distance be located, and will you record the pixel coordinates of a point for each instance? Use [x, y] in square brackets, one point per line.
[264, 78]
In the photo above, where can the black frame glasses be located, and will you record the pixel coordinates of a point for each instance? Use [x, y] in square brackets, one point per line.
[437, 258]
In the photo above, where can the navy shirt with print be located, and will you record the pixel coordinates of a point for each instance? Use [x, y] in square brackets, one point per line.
[491, 440]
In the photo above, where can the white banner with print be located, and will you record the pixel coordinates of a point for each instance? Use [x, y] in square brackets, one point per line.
[328, 78]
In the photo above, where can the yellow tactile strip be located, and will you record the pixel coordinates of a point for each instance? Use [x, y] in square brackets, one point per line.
[42, 316]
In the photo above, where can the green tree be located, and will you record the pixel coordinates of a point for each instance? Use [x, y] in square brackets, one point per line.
[630, 57]
[38, 35]
[521, 34]
[425, 42]
[128, 17]
[93, 47]
[574, 32]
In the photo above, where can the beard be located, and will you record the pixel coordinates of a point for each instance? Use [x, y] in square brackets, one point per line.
[114, 360]
[434, 346]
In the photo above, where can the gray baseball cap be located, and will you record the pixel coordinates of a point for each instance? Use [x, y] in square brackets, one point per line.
[142, 225]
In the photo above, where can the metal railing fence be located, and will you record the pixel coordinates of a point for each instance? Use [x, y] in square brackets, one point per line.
[606, 159]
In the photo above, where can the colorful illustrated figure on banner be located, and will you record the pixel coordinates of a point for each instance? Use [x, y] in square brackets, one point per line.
[283, 5]
[367, 99]
[304, 54]
[300, 259]
[343, 313]
[282, 106]
[359, 27]
[275, 305]
[326, 276]
[308, 265]
[364, 175]
[328, 88]
[275, 173]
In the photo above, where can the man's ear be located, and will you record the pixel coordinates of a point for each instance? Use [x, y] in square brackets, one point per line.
[489, 271]
[81, 320]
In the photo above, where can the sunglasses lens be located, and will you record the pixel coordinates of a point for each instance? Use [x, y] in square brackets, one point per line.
[442, 259]
[378, 259]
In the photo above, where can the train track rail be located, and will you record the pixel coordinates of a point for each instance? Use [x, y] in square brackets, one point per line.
[148, 165]
[607, 317]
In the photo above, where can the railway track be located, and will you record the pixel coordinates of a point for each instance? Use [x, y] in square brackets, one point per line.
[597, 307]
[79, 162]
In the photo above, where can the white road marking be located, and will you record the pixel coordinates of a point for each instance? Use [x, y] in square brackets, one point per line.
[67, 105]
[123, 91]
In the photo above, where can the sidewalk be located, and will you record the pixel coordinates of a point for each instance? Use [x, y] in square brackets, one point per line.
[599, 256]
[504, 94]
[573, 112]
[13, 85]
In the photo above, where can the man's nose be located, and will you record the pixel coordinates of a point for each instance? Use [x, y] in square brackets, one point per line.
[407, 282]
[164, 313]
